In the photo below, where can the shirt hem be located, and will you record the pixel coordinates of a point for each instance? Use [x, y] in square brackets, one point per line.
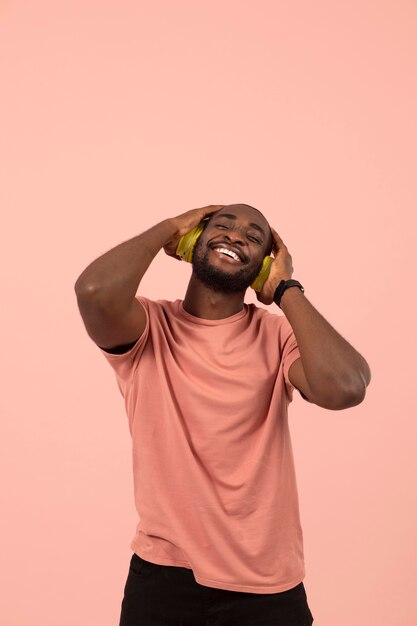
[247, 588]
[218, 584]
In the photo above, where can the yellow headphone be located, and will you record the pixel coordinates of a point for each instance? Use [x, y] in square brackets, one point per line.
[186, 246]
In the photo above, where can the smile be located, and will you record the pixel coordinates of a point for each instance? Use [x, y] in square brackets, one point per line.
[227, 255]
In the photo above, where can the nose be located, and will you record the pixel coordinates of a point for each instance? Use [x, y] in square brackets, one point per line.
[234, 235]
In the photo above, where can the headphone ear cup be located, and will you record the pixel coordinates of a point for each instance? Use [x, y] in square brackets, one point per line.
[187, 242]
[259, 281]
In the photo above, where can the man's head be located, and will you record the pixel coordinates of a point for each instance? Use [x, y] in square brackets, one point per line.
[243, 230]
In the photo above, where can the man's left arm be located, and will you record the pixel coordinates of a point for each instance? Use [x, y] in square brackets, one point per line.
[330, 372]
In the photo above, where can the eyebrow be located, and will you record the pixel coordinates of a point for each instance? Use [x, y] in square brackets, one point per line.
[230, 216]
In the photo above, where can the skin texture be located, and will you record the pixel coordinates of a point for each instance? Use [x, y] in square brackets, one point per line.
[217, 286]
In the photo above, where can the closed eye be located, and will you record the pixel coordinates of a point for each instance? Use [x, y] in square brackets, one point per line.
[253, 238]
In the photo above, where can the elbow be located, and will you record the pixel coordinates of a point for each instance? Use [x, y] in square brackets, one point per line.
[344, 400]
[84, 289]
[354, 390]
[354, 398]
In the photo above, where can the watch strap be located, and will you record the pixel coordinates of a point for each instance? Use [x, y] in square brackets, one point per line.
[283, 285]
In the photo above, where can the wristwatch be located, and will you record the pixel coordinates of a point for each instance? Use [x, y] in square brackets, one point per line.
[283, 285]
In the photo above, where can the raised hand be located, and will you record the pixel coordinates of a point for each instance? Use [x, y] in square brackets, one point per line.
[186, 222]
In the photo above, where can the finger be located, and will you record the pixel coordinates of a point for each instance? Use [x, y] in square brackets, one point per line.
[278, 242]
[214, 208]
[275, 235]
[274, 240]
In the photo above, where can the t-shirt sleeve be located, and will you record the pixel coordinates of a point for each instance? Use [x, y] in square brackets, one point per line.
[289, 353]
[125, 363]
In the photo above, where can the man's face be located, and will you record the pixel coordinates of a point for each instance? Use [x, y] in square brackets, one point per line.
[219, 271]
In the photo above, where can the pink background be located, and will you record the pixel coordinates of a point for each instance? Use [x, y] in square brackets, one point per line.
[116, 115]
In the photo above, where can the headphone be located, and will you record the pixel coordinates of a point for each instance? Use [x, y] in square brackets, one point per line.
[186, 246]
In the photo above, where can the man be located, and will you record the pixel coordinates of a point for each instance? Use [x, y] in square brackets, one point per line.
[207, 381]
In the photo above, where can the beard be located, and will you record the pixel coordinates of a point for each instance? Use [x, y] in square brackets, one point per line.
[219, 279]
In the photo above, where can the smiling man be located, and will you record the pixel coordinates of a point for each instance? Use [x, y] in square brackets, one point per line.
[207, 381]
[220, 272]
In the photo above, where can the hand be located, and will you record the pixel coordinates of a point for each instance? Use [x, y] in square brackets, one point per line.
[281, 269]
[186, 222]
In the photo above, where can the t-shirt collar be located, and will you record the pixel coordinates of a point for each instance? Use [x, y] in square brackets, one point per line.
[200, 320]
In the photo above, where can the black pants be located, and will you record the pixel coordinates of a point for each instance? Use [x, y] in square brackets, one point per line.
[162, 595]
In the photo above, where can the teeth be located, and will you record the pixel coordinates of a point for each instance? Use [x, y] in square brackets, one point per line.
[228, 252]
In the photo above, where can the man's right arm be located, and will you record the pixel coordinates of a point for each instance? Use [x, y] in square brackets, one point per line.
[106, 289]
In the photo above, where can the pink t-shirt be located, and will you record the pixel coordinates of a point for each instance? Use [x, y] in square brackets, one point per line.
[213, 471]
